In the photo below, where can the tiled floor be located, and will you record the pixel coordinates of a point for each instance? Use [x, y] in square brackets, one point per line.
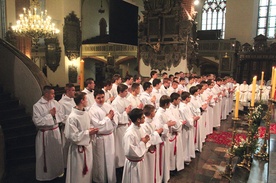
[206, 167]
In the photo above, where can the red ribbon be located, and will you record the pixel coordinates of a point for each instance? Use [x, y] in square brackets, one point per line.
[160, 158]
[174, 139]
[195, 125]
[81, 149]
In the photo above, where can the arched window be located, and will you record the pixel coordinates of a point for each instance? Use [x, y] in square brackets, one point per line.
[213, 15]
[267, 18]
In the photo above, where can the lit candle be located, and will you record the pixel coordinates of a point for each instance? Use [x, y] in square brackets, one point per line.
[272, 83]
[272, 72]
[81, 74]
[253, 91]
[237, 104]
[262, 80]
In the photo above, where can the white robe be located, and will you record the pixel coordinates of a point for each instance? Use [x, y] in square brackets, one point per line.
[134, 151]
[67, 104]
[243, 92]
[107, 96]
[134, 100]
[163, 168]
[149, 164]
[195, 104]
[113, 90]
[49, 133]
[158, 95]
[217, 109]
[104, 146]
[187, 131]
[90, 98]
[164, 91]
[175, 140]
[120, 104]
[146, 98]
[80, 149]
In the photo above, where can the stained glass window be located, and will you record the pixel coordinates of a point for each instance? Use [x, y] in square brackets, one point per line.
[267, 18]
[213, 15]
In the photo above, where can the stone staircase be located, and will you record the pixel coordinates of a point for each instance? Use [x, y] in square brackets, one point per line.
[18, 129]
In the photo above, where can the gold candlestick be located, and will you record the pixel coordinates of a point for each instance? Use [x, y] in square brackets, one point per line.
[261, 91]
[229, 168]
[246, 162]
[262, 154]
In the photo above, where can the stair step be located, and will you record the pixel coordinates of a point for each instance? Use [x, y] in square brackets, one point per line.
[5, 96]
[9, 113]
[8, 104]
[19, 129]
[15, 120]
[21, 160]
[20, 141]
[20, 152]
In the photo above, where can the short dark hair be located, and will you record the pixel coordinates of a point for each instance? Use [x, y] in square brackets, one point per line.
[47, 88]
[134, 86]
[98, 91]
[135, 114]
[128, 77]
[115, 77]
[199, 86]
[185, 95]
[88, 81]
[193, 89]
[174, 96]
[148, 109]
[165, 99]
[181, 79]
[152, 73]
[136, 77]
[107, 82]
[156, 82]
[121, 88]
[164, 73]
[78, 97]
[146, 85]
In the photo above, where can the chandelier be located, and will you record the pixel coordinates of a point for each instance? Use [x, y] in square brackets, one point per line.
[35, 23]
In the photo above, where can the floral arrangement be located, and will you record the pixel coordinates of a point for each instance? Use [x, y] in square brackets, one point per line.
[258, 114]
[240, 147]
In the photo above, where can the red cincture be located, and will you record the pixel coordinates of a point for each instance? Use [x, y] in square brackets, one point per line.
[81, 149]
[175, 141]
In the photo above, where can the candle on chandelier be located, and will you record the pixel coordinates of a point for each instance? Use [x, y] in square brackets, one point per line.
[237, 104]
[253, 91]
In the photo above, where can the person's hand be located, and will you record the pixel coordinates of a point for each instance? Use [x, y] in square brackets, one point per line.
[140, 106]
[159, 131]
[184, 122]
[93, 131]
[171, 123]
[196, 118]
[110, 115]
[128, 109]
[111, 99]
[153, 99]
[145, 139]
[53, 111]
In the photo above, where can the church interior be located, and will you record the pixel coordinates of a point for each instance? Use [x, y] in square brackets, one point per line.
[99, 38]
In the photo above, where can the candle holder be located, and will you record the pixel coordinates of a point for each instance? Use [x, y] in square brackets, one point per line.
[262, 154]
[228, 173]
[246, 162]
[261, 92]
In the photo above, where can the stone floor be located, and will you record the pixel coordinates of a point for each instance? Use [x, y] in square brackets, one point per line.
[206, 167]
